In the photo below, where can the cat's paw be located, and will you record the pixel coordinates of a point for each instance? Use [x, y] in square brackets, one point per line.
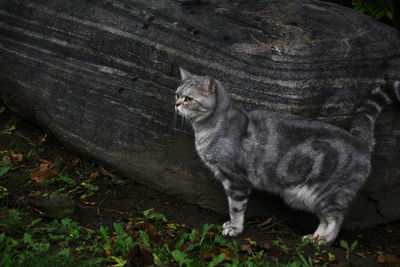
[319, 240]
[307, 237]
[230, 230]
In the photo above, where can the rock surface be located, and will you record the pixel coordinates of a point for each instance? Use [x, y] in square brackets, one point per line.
[101, 76]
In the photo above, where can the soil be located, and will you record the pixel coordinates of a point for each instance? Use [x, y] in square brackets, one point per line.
[119, 198]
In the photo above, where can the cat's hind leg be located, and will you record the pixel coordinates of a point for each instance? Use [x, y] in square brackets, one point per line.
[334, 223]
[323, 224]
[327, 230]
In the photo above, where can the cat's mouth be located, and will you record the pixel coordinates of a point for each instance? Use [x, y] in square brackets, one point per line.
[181, 111]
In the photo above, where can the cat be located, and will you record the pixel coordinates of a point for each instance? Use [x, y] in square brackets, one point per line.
[312, 165]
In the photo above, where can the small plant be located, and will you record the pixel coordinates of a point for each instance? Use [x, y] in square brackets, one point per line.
[4, 166]
[3, 192]
[375, 8]
[349, 249]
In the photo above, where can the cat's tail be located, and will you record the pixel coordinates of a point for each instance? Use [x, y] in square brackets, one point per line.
[363, 123]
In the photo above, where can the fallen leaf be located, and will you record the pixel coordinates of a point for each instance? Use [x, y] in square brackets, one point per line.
[252, 242]
[16, 156]
[267, 221]
[88, 202]
[34, 193]
[246, 247]
[43, 167]
[38, 179]
[47, 162]
[151, 230]
[42, 173]
[39, 211]
[208, 255]
[42, 139]
[228, 253]
[74, 162]
[93, 176]
[388, 259]
[106, 173]
[266, 246]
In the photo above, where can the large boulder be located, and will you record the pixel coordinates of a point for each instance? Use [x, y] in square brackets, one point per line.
[101, 75]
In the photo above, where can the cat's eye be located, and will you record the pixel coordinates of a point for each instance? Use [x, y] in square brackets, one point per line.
[188, 99]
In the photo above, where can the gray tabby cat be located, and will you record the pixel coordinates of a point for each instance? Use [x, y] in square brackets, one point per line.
[313, 165]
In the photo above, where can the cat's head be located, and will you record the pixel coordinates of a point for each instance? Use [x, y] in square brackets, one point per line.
[196, 96]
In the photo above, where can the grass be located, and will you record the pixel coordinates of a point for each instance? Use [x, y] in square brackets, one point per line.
[149, 239]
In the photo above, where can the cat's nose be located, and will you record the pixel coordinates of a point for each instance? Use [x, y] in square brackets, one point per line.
[177, 104]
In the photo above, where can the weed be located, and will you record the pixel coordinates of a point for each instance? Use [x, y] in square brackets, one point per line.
[348, 249]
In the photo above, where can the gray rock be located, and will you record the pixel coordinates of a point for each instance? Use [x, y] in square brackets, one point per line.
[101, 77]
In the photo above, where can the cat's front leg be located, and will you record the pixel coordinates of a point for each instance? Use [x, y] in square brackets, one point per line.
[235, 226]
[237, 199]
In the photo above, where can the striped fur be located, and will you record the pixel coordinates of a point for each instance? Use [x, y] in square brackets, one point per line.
[366, 114]
[312, 165]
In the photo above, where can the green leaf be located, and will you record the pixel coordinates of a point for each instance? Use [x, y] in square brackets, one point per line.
[344, 244]
[331, 257]
[2, 109]
[65, 252]
[180, 257]
[158, 217]
[379, 14]
[144, 238]
[389, 14]
[192, 235]
[147, 212]
[217, 260]
[206, 228]
[4, 169]
[67, 180]
[34, 222]
[118, 227]
[28, 239]
[157, 260]
[120, 261]
[303, 259]
[354, 245]
[3, 192]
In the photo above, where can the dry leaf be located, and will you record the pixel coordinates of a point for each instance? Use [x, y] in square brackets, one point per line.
[93, 176]
[388, 259]
[88, 202]
[252, 242]
[42, 173]
[34, 193]
[266, 246]
[208, 255]
[18, 156]
[246, 247]
[42, 139]
[38, 179]
[47, 162]
[75, 162]
[267, 221]
[107, 173]
[227, 252]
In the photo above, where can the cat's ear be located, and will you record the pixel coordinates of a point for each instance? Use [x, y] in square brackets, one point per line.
[208, 85]
[185, 74]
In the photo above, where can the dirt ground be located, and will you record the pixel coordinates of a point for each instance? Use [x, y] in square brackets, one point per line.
[117, 198]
